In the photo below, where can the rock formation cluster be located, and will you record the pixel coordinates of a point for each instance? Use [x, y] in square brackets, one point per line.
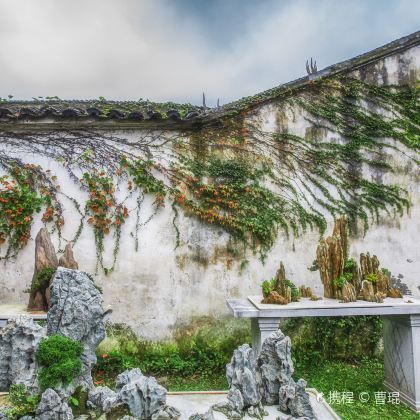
[342, 278]
[143, 396]
[46, 258]
[282, 291]
[75, 311]
[266, 380]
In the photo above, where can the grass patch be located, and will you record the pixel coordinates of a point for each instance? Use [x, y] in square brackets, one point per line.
[366, 376]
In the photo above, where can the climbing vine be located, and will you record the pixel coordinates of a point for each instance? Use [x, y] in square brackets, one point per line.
[103, 211]
[22, 194]
[246, 177]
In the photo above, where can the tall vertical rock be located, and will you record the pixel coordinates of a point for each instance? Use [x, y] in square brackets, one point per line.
[277, 386]
[76, 312]
[67, 259]
[45, 257]
[268, 381]
[331, 255]
[275, 366]
[244, 395]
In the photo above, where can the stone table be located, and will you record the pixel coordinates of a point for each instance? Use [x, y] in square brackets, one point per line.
[401, 332]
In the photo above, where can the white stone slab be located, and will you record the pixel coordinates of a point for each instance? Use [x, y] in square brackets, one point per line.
[199, 402]
[326, 303]
[330, 307]
[14, 310]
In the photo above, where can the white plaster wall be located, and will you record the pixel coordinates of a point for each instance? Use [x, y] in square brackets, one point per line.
[157, 287]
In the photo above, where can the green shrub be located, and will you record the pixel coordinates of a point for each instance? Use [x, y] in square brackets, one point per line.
[22, 402]
[340, 281]
[41, 280]
[372, 277]
[333, 338]
[59, 358]
[294, 290]
[266, 288]
[349, 265]
[202, 348]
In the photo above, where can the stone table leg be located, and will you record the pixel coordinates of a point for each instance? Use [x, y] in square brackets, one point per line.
[402, 357]
[261, 328]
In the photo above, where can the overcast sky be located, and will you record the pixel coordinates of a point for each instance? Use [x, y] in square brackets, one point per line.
[175, 49]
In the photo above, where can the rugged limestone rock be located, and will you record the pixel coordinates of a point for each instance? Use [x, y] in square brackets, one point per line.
[275, 369]
[144, 396]
[275, 366]
[45, 257]
[281, 273]
[103, 398]
[275, 298]
[244, 392]
[241, 375]
[281, 292]
[52, 407]
[368, 264]
[331, 255]
[382, 287]
[206, 416]
[394, 293]
[265, 381]
[348, 293]
[18, 342]
[307, 292]
[67, 259]
[294, 399]
[369, 294]
[76, 312]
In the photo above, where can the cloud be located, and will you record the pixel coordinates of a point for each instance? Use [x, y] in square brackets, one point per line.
[175, 49]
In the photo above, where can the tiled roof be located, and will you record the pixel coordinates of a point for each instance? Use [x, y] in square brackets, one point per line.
[174, 115]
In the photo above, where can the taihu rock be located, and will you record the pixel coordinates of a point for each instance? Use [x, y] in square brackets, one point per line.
[18, 343]
[52, 407]
[67, 259]
[275, 366]
[208, 415]
[76, 312]
[145, 398]
[295, 400]
[103, 398]
[39, 300]
[244, 392]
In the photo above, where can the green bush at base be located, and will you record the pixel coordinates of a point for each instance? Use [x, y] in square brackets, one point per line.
[59, 358]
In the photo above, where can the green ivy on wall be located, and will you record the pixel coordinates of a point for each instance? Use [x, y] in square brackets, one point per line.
[248, 180]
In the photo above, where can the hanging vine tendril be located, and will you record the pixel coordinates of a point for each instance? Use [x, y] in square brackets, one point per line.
[245, 178]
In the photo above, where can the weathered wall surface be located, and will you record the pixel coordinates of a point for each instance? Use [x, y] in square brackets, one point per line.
[158, 286]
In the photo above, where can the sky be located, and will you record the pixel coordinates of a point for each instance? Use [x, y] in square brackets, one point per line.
[173, 50]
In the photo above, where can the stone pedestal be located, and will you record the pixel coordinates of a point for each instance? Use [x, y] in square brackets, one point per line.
[402, 357]
[261, 328]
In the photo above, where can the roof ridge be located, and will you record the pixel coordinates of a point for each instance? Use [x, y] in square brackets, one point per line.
[357, 61]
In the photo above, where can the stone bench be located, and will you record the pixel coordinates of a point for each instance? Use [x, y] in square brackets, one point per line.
[401, 332]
